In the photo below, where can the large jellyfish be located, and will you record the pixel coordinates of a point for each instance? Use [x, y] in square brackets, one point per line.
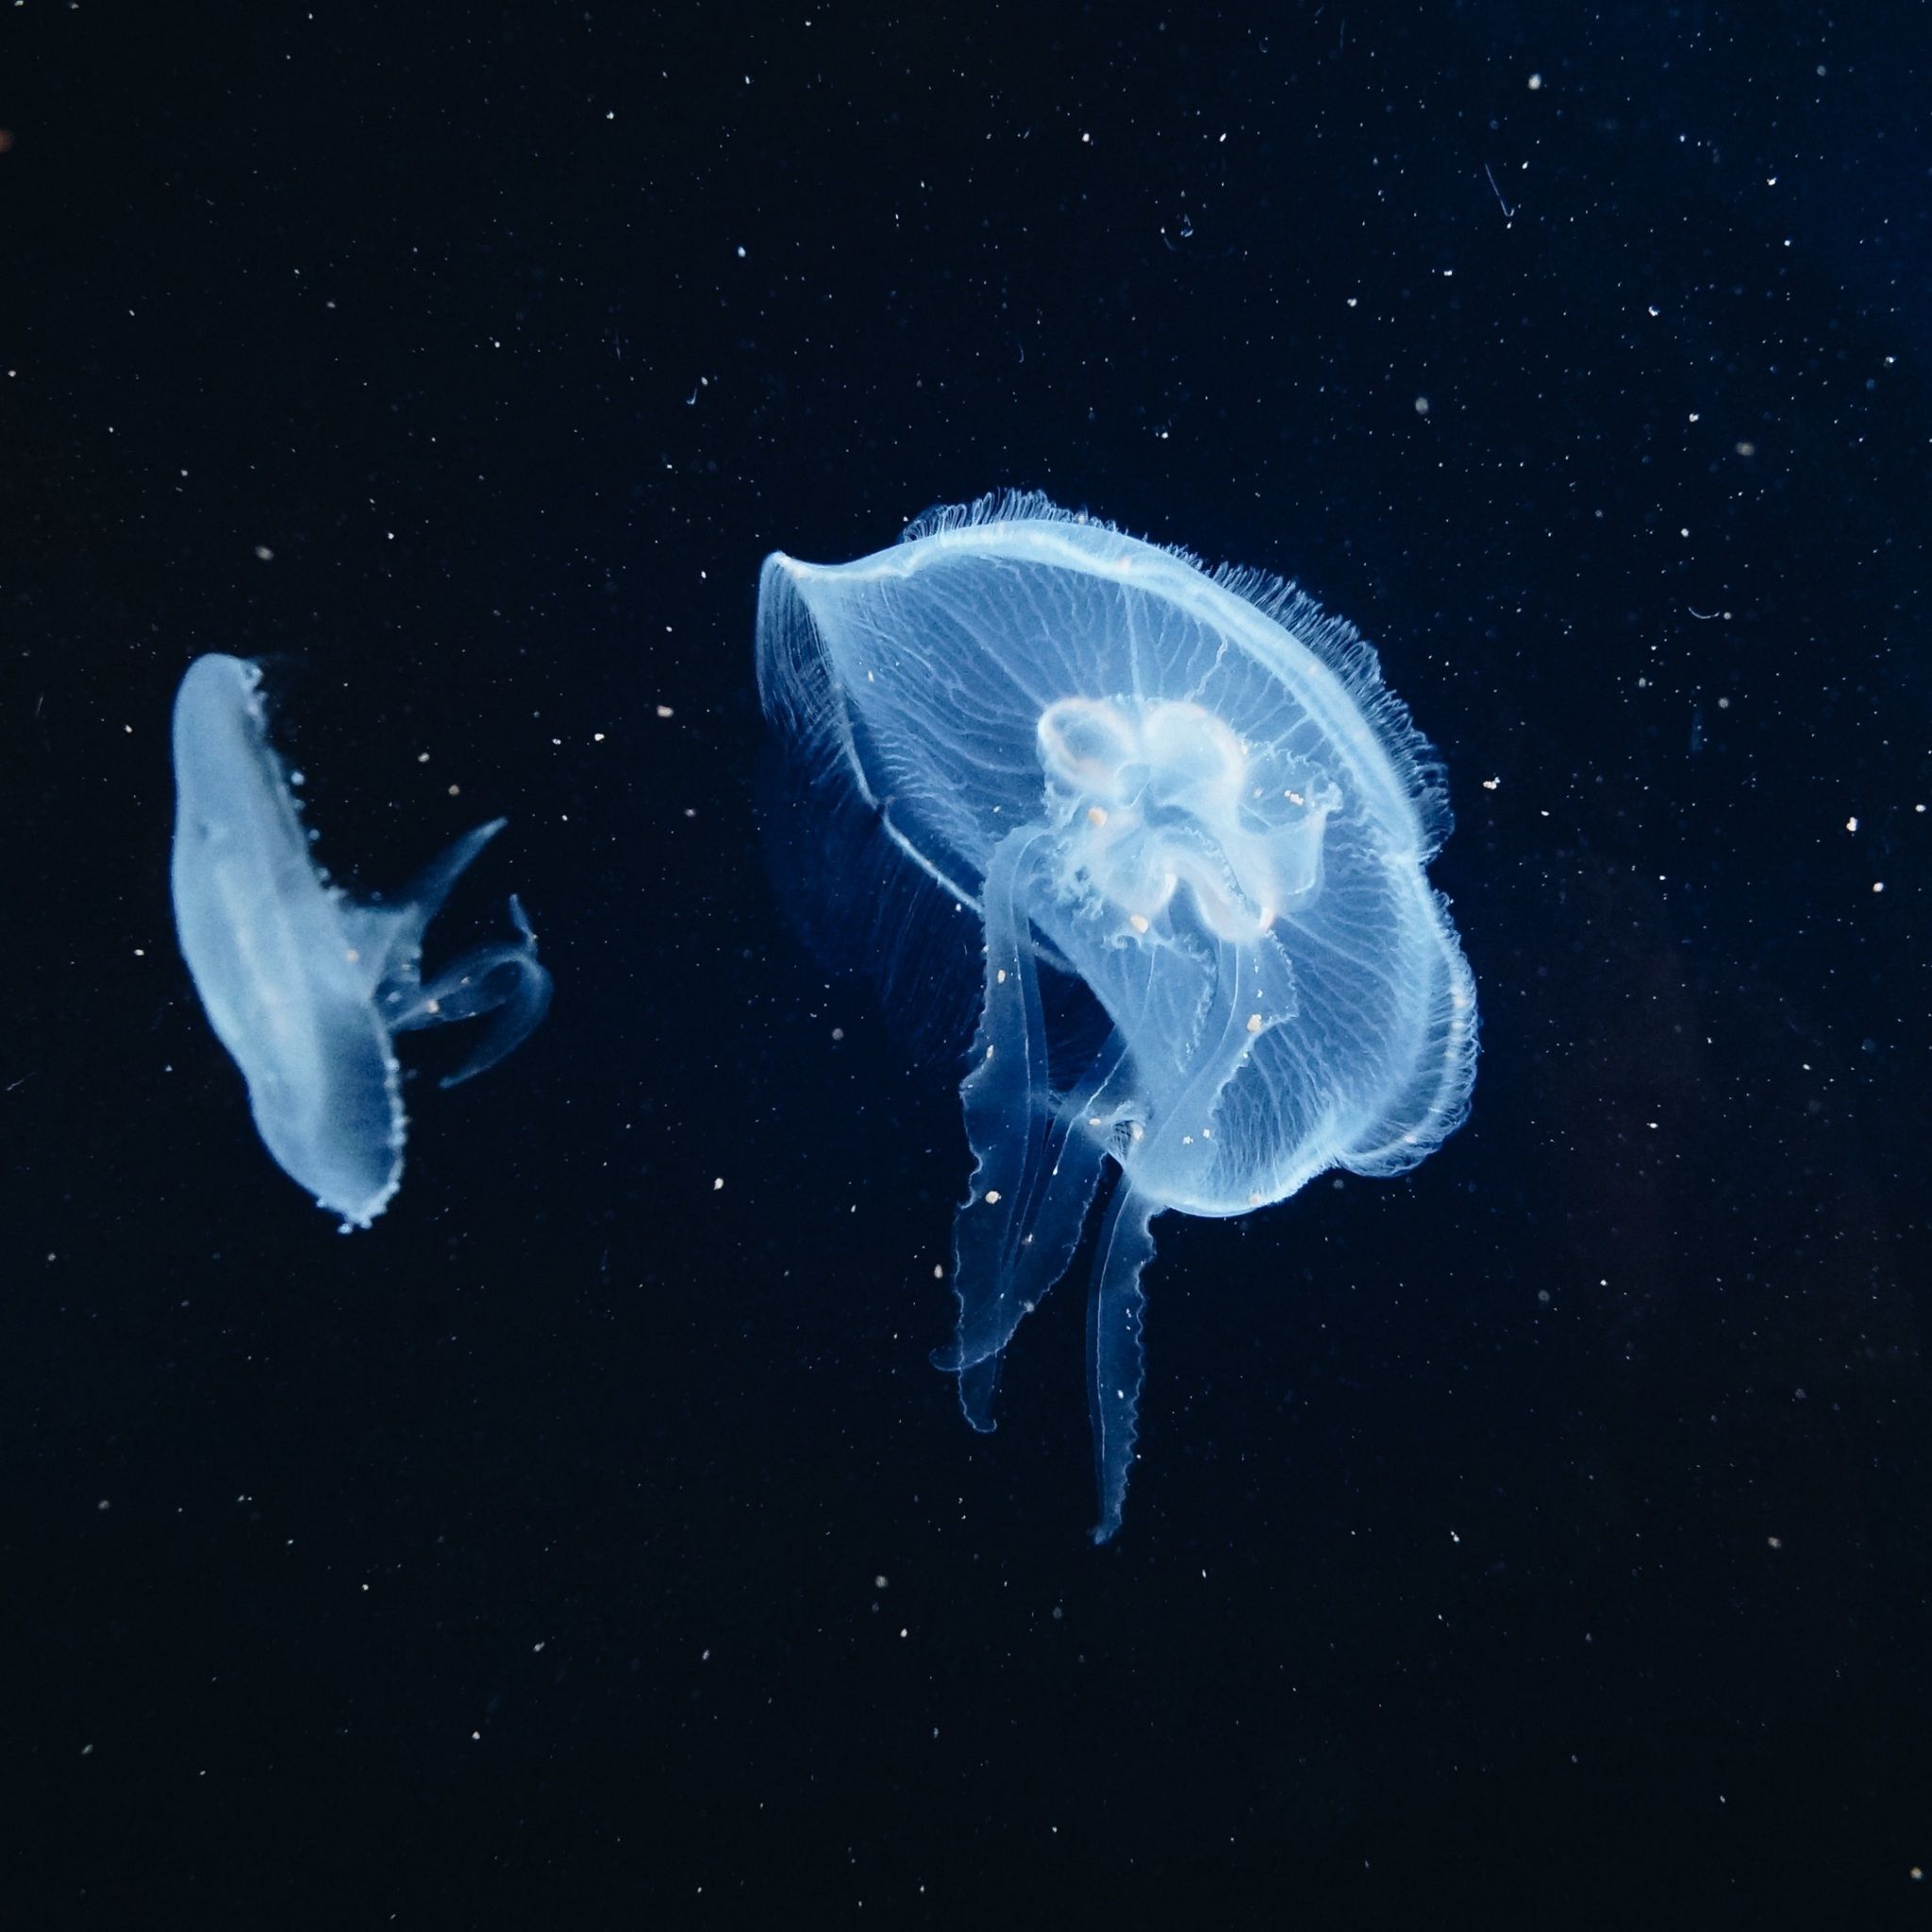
[302, 985]
[1193, 824]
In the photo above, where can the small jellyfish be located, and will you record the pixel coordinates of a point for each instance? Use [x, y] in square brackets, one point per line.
[1189, 827]
[302, 985]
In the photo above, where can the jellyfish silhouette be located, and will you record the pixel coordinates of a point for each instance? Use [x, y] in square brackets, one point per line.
[1192, 825]
[304, 986]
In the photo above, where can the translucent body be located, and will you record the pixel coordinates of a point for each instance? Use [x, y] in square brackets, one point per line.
[1189, 794]
[303, 986]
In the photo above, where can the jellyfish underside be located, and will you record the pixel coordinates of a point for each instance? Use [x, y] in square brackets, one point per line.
[1152, 827]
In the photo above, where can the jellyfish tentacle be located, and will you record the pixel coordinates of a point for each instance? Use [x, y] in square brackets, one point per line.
[506, 979]
[1115, 1307]
[1032, 1180]
[426, 892]
[1002, 1125]
[1039, 1237]
[1115, 1358]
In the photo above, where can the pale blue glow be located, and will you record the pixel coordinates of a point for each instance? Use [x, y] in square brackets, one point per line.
[304, 986]
[1188, 793]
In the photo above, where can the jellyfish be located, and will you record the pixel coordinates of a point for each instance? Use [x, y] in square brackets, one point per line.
[1191, 826]
[302, 985]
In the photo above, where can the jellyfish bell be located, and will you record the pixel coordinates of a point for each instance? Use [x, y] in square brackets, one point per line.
[1190, 795]
[304, 986]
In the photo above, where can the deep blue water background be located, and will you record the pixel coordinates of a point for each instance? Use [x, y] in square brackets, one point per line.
[1538, 1539]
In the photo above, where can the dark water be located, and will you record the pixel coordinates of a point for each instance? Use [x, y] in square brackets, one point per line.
[1538, 1539]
